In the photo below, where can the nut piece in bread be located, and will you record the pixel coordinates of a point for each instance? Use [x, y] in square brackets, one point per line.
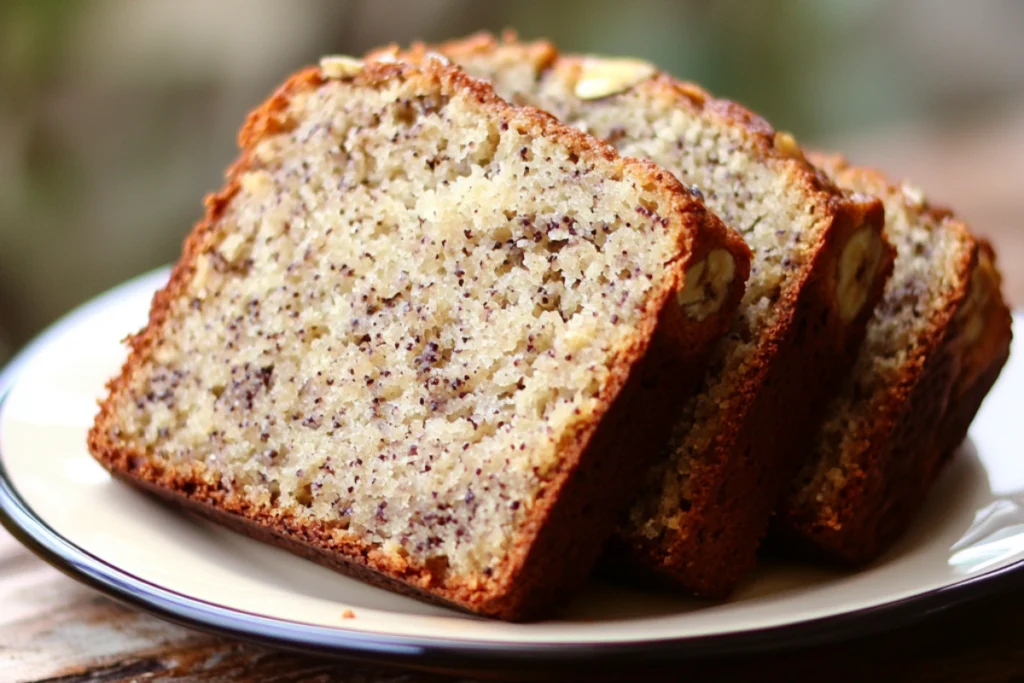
[600, 77]
[859, 261]
[708, 284]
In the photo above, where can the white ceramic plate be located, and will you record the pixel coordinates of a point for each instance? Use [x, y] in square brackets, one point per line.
[59, 502]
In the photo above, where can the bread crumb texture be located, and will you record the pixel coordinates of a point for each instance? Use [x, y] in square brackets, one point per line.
[414, 297]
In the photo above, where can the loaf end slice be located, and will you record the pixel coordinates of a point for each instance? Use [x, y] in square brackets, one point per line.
[820, 263]
[423, 337]
[933, 349]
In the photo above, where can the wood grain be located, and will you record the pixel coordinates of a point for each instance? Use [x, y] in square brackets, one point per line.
[53, 629]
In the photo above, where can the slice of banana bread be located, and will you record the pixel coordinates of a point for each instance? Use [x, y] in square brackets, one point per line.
[424, 337]
[820, 263]
[933, 349]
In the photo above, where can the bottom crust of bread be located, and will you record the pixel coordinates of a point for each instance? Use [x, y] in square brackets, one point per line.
[277, 536]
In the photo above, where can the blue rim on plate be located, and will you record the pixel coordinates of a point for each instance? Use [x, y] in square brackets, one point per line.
[456, 656]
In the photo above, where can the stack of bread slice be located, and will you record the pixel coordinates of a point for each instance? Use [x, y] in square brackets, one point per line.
[465, 315]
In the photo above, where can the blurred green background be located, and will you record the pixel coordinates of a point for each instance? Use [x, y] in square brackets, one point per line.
[116, 116]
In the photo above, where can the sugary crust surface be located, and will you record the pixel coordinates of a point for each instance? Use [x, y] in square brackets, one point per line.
[744, 469]
[924, 415]
[558, 543]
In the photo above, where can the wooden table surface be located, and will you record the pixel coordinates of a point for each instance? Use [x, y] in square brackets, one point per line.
[52, 628]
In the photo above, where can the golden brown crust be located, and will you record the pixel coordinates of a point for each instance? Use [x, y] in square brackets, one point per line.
[744, 472]
[919, 418]
[563, 536]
